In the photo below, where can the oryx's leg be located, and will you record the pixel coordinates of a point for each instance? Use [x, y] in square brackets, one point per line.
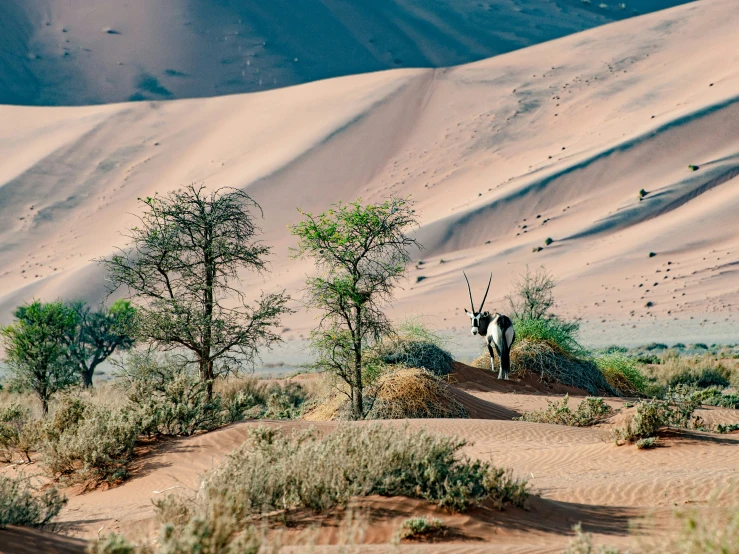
[498, 339]
[492, 357]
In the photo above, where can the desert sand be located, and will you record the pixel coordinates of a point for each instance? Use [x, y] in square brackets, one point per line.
[552, 141]
[620, 494]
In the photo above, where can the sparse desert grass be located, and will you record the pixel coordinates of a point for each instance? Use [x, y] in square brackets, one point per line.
[273, 471]
[23, 504]
[704, 370]
[645, 444]
[625, 375]
[589, 412]
[419, 528]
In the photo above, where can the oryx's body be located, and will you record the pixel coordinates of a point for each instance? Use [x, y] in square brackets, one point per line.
[498, 332]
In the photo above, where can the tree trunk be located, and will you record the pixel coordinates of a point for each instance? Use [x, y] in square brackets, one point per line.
[357, 400]
[44, 406]
[206, 374]
[87, 377]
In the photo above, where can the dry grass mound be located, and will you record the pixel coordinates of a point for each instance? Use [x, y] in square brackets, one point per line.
[552, 364]
[401, 393]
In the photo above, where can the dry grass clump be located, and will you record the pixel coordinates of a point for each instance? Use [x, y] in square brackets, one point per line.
[408, 392]
[415, 345]
[23, 504]
[553, 364]
[589, 412]
[399, 393]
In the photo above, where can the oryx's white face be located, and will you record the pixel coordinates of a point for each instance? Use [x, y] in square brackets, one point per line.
[475, 320]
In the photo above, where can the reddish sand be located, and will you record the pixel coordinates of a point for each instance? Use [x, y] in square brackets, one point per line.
[579, 473]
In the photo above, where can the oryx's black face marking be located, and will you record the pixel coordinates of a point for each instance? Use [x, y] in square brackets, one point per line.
[479, 321]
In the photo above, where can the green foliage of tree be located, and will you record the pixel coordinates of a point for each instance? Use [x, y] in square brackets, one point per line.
[96, 335]
[35, 352]
[534, 297]
[361, 253]
[184, 261]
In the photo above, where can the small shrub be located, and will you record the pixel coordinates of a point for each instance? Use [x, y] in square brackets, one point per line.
[415, 528]
[99, 448]
[652, 254]
[22, 504]
[285, 401]
[589, 412]
[693, 167]
[548, 241]
[649, 304]
[241, 398]
[652, 415]
[272, 471]
[712, 396]
[168, 398]
[642, 194]
[19, 436]
[644, 444]
[562, 334]
[537, 249]
[701, 377]
[730, 428]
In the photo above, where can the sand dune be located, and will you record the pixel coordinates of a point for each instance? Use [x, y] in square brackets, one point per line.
[57, 53]
[550, 141]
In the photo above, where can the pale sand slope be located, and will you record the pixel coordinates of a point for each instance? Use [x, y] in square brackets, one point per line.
[61, 52]
[569, 131]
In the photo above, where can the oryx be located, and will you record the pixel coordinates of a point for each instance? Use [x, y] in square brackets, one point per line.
[497, 330]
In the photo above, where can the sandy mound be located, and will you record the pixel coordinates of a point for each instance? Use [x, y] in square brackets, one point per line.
[22, 540]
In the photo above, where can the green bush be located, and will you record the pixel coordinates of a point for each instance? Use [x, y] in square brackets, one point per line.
[98, 448]
[421, 527]
[22, 504]
[625, 376]
[555, 331]
[712, 396]
[168, 398]
[652, 415]
[272, 471]
[589, 412]
[286, 401]
[644, 444]
[702, 377]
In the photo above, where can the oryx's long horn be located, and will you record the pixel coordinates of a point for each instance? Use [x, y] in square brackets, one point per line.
[486, 293]
[469, 289]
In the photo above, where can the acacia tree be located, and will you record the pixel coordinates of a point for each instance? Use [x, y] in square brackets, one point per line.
[93, 336]
[533, 297]
[361, 253]
[184, 260]
[35, 351]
